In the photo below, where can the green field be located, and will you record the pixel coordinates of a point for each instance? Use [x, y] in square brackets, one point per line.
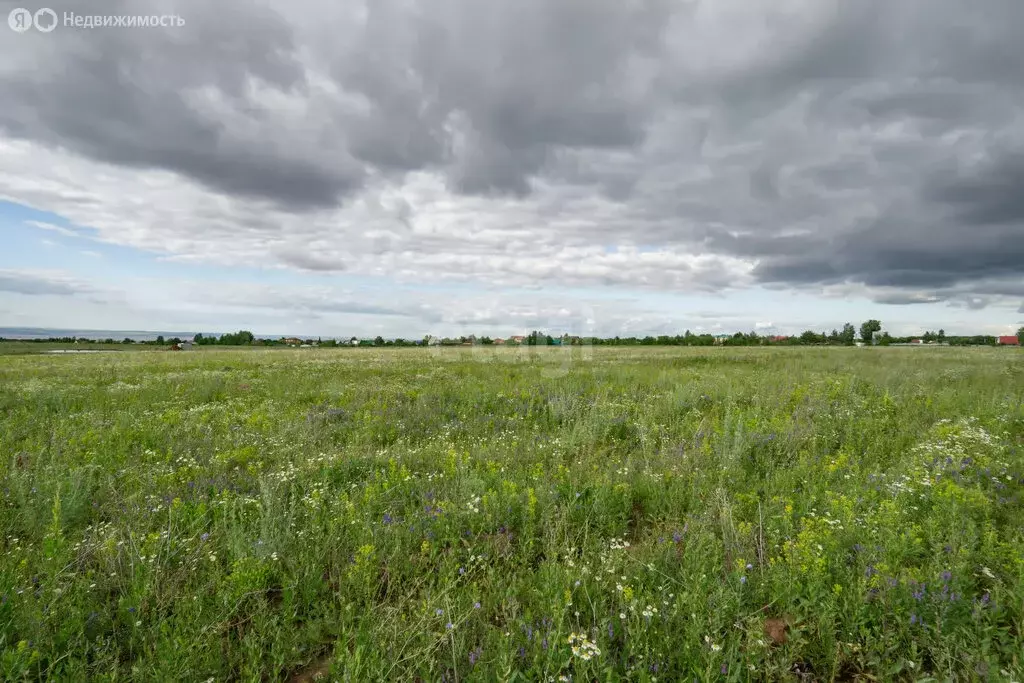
[513, 514]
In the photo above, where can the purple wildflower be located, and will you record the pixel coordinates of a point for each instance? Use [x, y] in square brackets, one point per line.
[476, 605]
[947, 576]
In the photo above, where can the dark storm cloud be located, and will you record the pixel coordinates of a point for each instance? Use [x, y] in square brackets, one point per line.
[122, 96]
[525, 76]
[990, 196]
[933, 220]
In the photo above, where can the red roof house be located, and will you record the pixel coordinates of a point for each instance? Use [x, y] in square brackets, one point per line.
[1009, 341]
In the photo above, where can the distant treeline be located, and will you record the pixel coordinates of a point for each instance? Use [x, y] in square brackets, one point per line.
[870, 333]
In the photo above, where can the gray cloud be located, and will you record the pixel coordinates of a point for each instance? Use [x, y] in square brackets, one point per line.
[452, 88]
[805, 144]
[308, 261]
[34, 283]
[176, 100]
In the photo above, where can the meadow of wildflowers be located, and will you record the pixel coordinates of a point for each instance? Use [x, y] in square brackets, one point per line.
[621, 514]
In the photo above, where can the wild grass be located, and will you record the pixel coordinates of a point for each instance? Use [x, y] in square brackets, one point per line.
[541, 514]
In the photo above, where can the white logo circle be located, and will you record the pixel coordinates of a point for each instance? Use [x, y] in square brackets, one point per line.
[20, 19]
[45, 20]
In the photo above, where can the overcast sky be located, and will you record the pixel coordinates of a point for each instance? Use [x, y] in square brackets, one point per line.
[402, 167]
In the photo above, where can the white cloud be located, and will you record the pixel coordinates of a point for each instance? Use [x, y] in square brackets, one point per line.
[52, 228]
[442, 237]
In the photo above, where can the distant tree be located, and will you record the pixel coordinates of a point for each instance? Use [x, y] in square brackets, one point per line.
[942, 336]
[240, 338]
[885, 339]
[160, 340]
[1020, 335]
[809, 337]
[378, 341]
[127, 340]
[868, 328]
[848, 335]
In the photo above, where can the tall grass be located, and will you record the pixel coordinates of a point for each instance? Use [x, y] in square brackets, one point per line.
[618, 514]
